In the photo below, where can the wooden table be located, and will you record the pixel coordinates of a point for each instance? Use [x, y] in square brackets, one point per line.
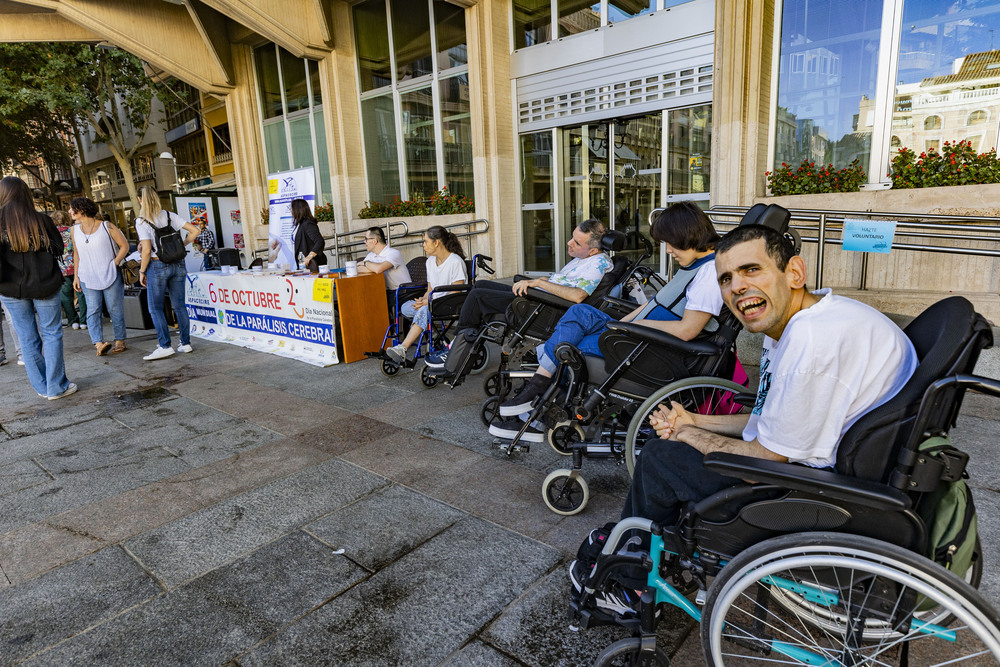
[364, 314]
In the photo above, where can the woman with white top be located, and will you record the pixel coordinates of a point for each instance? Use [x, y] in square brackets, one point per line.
[445, 266]
[163, 277]
[98, 249]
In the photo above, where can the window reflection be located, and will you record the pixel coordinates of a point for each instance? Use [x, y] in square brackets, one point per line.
[620, 10]
[372, 42]
[948, 80]
[449, 28]
[268, 81]
[417, 110]
[690, 132]
[378, 125]
[827, 80]
[456, 135]
[532, 22]
[411, 39]
[576, 16]
[537, 221]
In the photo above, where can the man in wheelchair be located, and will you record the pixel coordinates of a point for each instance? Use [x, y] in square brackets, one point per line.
[684, 308]
[826, 361]
[575, 282]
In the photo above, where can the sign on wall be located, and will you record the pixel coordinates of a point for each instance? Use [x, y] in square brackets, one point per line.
[289, 316]
[283, 187]
[869, 235]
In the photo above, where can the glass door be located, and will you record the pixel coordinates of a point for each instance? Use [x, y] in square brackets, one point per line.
[636, 180]
[585, 178]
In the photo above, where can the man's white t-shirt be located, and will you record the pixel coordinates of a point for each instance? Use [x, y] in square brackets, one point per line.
[397, 275]
[451, 270]
[146, 233]
[835, 361]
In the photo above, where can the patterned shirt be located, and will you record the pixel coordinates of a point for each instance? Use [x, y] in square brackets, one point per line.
[584, 273]
[205, 240]
[66, 261]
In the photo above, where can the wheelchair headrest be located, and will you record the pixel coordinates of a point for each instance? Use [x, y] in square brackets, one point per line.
[612, 240]
[777, 218]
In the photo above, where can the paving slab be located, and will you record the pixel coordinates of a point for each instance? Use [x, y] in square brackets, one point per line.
[478, 654]
[20, 475]
[380, 528]
[64, 602]
[375, 623]
[49, 441]
[219, 615]
[36, 548]
[204, 540]
[346, 433]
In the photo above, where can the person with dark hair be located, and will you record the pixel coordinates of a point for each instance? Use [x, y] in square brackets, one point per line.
[684, 307]
[383, 259]
[575, 282]
[445, 266]
[76, 313]
[163, 277]
[204, 242]
[826, 361]
[99, 248]
[30, 248]
[308, 241]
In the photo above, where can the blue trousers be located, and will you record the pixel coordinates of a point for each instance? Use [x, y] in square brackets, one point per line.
[582, 325]
[114, 296]
[38, 324]
[160, 279]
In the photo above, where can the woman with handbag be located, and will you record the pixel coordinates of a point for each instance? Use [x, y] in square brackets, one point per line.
[98, 249]
[165, 274]
[30, 280]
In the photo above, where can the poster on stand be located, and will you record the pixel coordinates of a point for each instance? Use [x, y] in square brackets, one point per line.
[283, 187]
[197, 210]
[291, 316]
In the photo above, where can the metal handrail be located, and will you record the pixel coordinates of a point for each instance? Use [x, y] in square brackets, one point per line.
[468, 224]
[916, 225]
[336, 238]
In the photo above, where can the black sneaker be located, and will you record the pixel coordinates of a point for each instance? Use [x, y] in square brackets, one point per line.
[509, 428]
[437, 359]
[522, 402]
[579, 571]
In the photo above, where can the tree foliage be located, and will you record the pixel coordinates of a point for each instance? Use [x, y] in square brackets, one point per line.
[53, 90]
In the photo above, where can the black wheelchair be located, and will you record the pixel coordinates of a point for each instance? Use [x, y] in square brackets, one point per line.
[530, 319]
[442, 314]
[817, 567]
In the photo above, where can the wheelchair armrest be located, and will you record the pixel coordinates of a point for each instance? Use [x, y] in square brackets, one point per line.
[620, 303]
[663, 339]
[440, 289]
[548, 298]
[810, 480]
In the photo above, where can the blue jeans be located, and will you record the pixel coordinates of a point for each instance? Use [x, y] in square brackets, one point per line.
[41, 341]
[418, 315]
[114, 296]
[582, 325]
[160, 279]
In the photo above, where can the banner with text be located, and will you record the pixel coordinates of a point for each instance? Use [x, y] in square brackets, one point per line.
[291, 316]
[284, 187]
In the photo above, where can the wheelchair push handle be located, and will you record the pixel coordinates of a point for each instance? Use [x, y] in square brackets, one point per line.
[482, 262]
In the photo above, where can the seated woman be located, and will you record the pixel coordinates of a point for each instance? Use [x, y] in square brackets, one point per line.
[445, 266]
[682, 308]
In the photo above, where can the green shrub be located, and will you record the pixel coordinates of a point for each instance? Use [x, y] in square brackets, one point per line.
[440, 203]
[324, 212]
[808, 179]
[956, 164]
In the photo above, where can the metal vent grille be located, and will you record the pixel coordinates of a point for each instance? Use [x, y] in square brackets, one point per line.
[619, 95]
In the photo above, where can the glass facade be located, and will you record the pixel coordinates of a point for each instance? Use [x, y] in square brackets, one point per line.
[291, 116]
[840, 87]
[415, 109]
[537, 202]
[532, 19]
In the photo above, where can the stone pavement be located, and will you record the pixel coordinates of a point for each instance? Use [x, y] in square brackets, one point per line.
[231, 507]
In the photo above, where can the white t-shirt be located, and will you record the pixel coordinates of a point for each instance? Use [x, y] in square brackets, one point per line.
[397, 275]
[146, 233]
[703, 292]
[96, 268]
[585, 274]
[835, 361]
[451, 270]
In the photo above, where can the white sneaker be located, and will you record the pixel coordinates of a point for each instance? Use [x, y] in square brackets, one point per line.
[76, 325]
[397, 353]
[71, 389]
[185, 348]
[159, 353]
[83, 326]
[20, 361]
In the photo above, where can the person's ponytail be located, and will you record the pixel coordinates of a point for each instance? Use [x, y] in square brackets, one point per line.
[450, 241]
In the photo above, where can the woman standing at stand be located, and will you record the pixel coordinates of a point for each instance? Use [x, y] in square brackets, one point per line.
[309, 242]
[30, 247]
[98, 249]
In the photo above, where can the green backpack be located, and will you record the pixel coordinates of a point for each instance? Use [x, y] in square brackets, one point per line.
[949, 514]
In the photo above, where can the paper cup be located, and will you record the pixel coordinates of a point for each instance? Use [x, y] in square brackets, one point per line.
[351, 269]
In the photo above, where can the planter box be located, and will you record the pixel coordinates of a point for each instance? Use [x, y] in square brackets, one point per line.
[481, 243]
[948, 200]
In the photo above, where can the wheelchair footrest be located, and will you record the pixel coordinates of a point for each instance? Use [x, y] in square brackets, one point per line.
[510, 447]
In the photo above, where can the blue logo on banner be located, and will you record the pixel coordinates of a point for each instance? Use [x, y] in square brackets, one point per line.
[202, 314]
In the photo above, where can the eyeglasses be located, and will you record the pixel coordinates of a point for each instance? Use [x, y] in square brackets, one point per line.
[369, 238]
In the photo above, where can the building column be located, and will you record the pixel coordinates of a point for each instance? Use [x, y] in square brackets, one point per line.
[741, 101]
[248, 149]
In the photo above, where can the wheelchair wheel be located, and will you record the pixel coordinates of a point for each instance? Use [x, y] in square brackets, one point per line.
[565, 492]
[497, 384]
[426, 378]
[389, 367]
[489, 410]
[703, 395]
[626, 653]
[481, 360]
[856, 601]
[563, 436]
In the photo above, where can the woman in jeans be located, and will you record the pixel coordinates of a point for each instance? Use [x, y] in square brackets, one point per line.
[158, 277]
[98, 249]
[30, 248]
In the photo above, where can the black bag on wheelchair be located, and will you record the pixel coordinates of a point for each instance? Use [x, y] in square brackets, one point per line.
[461, 348]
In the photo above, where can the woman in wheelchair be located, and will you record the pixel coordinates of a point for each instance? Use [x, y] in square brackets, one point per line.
[683, 308]
[445, 266]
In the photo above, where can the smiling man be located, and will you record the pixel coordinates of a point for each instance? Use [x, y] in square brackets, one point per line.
[826, 361]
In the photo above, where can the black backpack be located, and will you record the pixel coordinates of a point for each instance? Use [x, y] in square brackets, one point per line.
[169, 245]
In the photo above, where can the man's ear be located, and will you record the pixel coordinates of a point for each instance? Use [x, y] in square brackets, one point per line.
[795, 272]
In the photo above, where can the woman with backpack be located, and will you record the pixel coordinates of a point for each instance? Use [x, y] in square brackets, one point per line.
[162, 269]
[30, 248]
[99, 247]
